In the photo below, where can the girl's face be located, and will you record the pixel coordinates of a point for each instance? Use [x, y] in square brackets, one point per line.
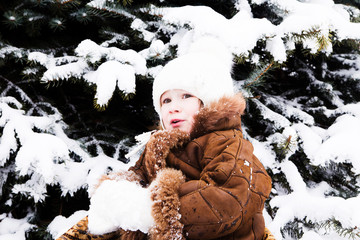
[178, 108]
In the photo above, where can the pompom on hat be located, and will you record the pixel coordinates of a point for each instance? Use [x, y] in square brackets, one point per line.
[205, 72]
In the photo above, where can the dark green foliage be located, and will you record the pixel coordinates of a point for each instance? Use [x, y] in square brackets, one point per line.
[293, 229]
[355, 3]
[257, 126]
[272, 13]
[46, 24]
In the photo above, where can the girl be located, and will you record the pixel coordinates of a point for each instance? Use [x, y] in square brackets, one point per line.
[204, 181]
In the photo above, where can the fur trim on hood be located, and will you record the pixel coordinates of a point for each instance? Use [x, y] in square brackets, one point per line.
[223, 114]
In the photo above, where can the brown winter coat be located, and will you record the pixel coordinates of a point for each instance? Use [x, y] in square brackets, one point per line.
[226, 185]
[220, 190]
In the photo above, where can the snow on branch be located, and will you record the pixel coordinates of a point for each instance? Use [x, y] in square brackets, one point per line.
[278, 120]
[310, 203]
[352, 61]
[110, 7]
[11, 50]
[119, 69]
[338, 143]
[289, 109]
[36, 146]
[243, 31]
[241, 34]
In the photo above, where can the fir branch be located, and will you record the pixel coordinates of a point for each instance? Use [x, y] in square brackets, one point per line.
[74, 2]
[260, 75]
[113, 10]
[126, 2]
[115, 38]
[322, 40]
[57, 24]
[311, 33]
[286, 145]
[332, 223]
[240, 59]
[350, 43]
[82, 15]
[33, 17]
[67, 4]
[100, 107]
[13, 20]
[103, 107]
[307, 52]
[10, 86]
[127, 96]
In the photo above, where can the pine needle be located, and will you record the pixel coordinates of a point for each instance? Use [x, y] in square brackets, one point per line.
[351, 232]
[259, 75]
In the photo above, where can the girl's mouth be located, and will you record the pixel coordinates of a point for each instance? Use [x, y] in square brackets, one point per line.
[175, 122]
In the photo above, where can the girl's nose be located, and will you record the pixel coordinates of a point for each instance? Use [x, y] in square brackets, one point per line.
[175, 107]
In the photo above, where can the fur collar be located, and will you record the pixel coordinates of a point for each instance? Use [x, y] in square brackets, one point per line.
[223, 114]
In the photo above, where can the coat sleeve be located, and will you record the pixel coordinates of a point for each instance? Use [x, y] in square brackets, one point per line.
[157, 149]
[140, 169]
[230, 192]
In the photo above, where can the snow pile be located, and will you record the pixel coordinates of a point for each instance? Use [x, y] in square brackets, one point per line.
[60, 224]
[13, 229]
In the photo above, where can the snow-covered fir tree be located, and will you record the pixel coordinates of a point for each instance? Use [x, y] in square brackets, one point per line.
[75, 85]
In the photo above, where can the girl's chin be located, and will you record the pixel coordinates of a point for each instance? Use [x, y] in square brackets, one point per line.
[182, 128]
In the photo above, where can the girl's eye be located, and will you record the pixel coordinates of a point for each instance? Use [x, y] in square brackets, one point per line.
[187, 95]
[166, 100]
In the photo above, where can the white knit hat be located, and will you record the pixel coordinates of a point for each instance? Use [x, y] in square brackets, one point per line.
[205, 74]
